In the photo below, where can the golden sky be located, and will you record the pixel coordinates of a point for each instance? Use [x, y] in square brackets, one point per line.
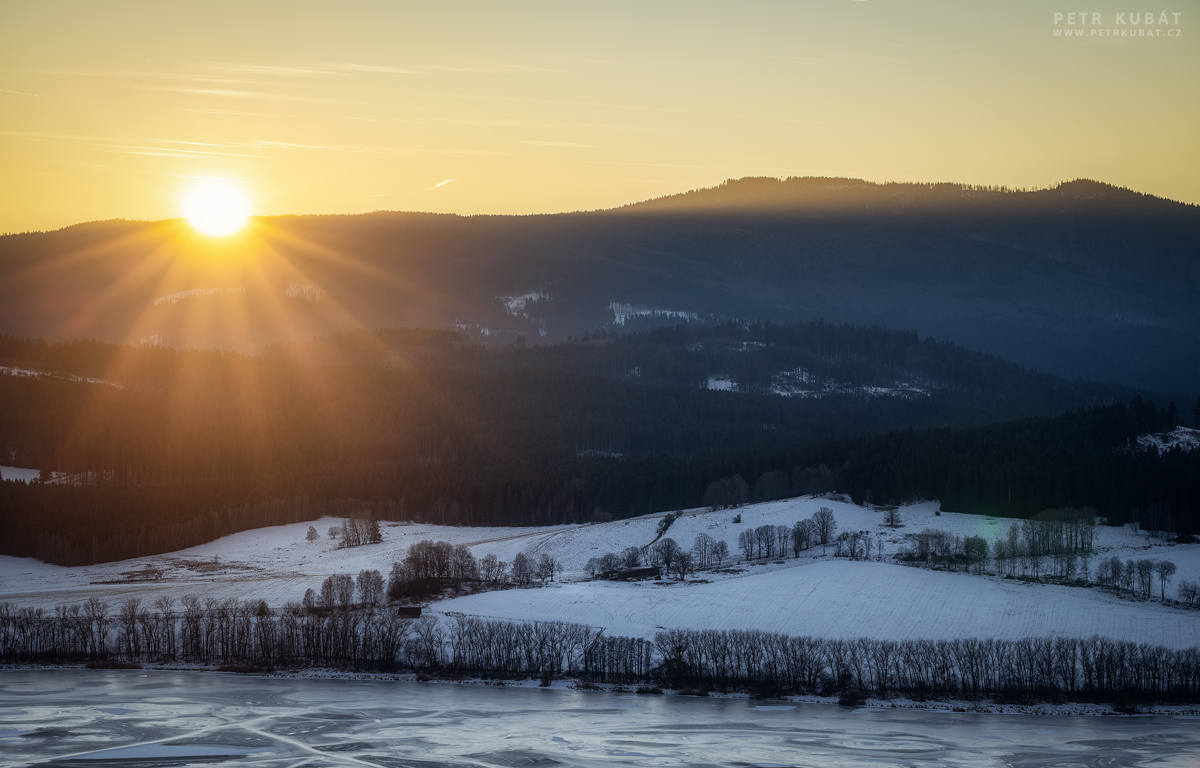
[113, 109]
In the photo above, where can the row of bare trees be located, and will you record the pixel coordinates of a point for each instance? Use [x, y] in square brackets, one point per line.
[935, 546]
[667, 554]
[431, 565]
[1138, 577]
[763, 542]
[237, 632]
[252, 633]
[858, 545]
[1053, 548]
[1043, 668]
[1059, 545]
[771, 541]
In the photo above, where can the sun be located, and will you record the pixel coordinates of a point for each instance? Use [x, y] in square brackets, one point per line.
[216, 208]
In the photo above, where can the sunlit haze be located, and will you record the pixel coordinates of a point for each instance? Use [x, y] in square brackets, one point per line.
[114, 110]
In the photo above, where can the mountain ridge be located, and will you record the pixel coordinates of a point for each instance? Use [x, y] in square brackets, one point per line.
[1101, 287]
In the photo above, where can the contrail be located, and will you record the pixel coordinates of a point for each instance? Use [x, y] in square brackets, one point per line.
[441, 184]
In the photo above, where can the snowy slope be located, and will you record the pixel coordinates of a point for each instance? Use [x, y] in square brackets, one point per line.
[812, 594]
[845, 599]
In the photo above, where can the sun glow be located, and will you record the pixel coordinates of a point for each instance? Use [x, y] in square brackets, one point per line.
[216, 208]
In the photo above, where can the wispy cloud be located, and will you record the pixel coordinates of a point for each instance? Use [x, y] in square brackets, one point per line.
[553, 143]
[132, 146]
[23, 93]
[169, 152]
[309, 69]
[489, 67]
[441, 184]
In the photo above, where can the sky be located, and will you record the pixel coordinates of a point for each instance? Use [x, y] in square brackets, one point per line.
[114, 110]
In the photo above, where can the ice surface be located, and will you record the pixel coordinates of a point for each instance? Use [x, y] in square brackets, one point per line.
[182, 718]
[160, 751]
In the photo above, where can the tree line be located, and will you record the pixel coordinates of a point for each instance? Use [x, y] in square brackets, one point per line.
[431, 566]
[250, 635]
[1059, 546]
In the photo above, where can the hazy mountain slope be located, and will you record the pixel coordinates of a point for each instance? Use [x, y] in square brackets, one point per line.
[1085, 280]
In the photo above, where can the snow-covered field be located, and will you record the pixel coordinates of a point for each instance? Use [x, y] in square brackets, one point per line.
[844, 599]
[814, 594]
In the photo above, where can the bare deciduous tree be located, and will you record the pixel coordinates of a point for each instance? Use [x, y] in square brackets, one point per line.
[746, 543]
[522, 569]
[370, 587]
[491, 568]
[824, 525]
[337, 591]
[665, 552]
[683, 564]
[631, 557]
[720, 551]
[1165, 570]
[803, 533]
[702, 548]
[546, 568]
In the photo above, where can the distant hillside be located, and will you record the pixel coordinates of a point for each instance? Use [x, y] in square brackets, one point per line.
[1082, 280]
[149, 449]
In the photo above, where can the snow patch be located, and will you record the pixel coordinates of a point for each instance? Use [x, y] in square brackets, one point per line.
[464, 325]
[175, 298]
[800, 382]
[29, 372]
[1181, 437]
[515, 305]
[722, 383]
[19, 474]
[622, 313]
[304, 291]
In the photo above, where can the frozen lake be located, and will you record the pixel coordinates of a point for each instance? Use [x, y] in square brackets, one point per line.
[152, 718]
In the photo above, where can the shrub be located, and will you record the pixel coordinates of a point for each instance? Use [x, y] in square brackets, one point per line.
[852, 697]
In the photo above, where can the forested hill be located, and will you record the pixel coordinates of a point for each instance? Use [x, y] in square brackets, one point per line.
[1084, 280]
[154, 449]
[953, 385]
[874, 378]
